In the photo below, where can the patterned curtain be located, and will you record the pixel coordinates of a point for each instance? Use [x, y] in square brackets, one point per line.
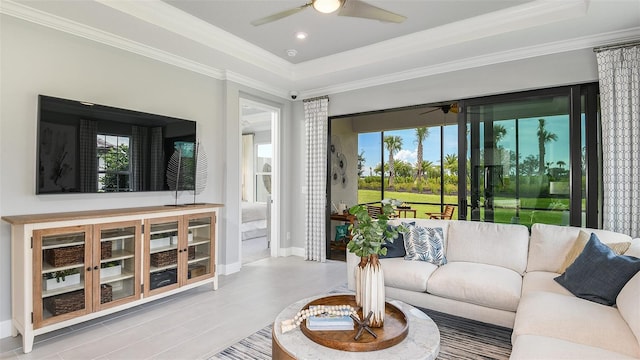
[316, 125]
[88, 156]
[619, 73]
[139, 142]
[156, 166]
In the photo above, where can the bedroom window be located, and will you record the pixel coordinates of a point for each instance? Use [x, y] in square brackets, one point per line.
[263, 172]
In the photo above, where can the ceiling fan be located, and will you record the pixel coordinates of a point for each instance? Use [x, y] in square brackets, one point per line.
[352, 8]
[444, 108]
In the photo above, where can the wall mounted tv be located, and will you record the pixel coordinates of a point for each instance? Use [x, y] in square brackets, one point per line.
[90, 148]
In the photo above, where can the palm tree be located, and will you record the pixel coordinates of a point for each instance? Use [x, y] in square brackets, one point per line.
[451, 163]
[421, 134]
[499, 132]
[544, 137]
[393, 144]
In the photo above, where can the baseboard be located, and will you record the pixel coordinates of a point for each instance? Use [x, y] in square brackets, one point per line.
[5, 329]
[292, 251]
[228, 269]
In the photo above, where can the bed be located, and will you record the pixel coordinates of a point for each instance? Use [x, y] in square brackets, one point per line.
[254, 220]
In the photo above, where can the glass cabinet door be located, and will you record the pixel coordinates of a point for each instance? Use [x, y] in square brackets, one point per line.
[200, 245]
[62, 278]
[117, 262]
[161, 248]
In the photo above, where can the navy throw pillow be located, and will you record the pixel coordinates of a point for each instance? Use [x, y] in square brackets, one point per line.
[395, 247]
[598, 274]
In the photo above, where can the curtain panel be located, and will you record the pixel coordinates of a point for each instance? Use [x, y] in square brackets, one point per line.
[316, 128]
[88, 134]
[619, 76]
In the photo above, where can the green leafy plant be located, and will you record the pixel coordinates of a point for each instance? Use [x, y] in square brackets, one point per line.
[109, 264]
[368, 234]
[61, 275]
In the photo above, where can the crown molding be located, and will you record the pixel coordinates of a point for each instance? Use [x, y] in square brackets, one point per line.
[255, 84]
[162, 14]
[26, 13]
[581, 43]
[532, 14]
[326, 66]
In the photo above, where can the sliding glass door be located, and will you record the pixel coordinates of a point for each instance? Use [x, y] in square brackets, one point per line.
[526, 157]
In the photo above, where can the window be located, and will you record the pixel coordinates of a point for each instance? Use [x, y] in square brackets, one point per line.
[114, 172]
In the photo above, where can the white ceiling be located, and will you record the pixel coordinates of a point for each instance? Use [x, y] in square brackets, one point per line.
[215, 38]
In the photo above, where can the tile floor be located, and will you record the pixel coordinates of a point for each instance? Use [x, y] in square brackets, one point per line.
[195, 324]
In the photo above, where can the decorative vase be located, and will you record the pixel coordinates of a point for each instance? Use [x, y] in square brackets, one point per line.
[359, 279]
[373, 297]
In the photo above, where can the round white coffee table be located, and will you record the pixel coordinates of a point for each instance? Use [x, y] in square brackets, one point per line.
[422, 341]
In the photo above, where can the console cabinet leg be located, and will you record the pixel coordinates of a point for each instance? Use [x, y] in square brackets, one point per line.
[27, 342]
[14, 330]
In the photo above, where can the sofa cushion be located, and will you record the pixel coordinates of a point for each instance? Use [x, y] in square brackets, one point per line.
[534, 347]
[576, 320]
[598, 274]
[542, 281]
[550, 244]
[502, 245]
[481, 284]
[395, 247]
[407, 275]
[579, 244]
[424, 244]
[628, 303]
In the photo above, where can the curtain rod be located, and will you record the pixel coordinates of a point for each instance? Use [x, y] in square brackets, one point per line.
[317, 98]
[617, 46]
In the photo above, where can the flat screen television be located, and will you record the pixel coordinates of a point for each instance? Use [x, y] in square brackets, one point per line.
[90, 148]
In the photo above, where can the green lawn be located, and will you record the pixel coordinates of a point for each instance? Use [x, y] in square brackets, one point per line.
[534, 210]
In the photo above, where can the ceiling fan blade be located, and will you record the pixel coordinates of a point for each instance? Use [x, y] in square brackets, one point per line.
[357, 8]
[280, 15]
[429, 111]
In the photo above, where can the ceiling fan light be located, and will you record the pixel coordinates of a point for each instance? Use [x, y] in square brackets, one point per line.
[327, 6]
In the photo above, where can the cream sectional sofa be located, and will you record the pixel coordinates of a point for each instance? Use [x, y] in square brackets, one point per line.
[499, 274]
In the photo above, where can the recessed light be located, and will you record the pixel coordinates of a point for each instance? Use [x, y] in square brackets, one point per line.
[301, 35]
[86, 103]
[292, 52]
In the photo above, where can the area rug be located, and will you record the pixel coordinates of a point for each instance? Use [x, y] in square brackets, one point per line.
[459, 339]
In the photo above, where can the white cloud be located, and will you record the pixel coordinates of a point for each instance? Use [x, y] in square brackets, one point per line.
[406, 155]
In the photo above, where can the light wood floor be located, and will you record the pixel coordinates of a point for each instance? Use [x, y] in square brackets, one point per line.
[195, 324]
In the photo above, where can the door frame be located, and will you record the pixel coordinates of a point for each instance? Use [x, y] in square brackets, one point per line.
[274, 226]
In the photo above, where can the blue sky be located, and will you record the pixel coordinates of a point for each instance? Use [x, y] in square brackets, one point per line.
[558, 150]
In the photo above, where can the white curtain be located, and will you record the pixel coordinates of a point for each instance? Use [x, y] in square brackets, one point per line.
[619, 73]
[316, 125]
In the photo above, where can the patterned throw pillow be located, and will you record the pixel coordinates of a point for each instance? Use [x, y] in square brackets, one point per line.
[424, 244]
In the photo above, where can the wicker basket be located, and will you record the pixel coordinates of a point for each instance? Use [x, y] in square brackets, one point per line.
[63, 256]
[105, 250]
[74, 301]
[169, 257]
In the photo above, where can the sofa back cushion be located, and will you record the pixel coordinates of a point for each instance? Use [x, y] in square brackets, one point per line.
[503, 245]
[627, 302]
[550, 244]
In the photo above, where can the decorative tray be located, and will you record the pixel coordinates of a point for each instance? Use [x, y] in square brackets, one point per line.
[395, 328]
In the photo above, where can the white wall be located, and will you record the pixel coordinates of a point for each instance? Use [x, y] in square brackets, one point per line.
[36, 60]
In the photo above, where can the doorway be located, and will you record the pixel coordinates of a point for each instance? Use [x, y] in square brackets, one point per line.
[259, 227]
